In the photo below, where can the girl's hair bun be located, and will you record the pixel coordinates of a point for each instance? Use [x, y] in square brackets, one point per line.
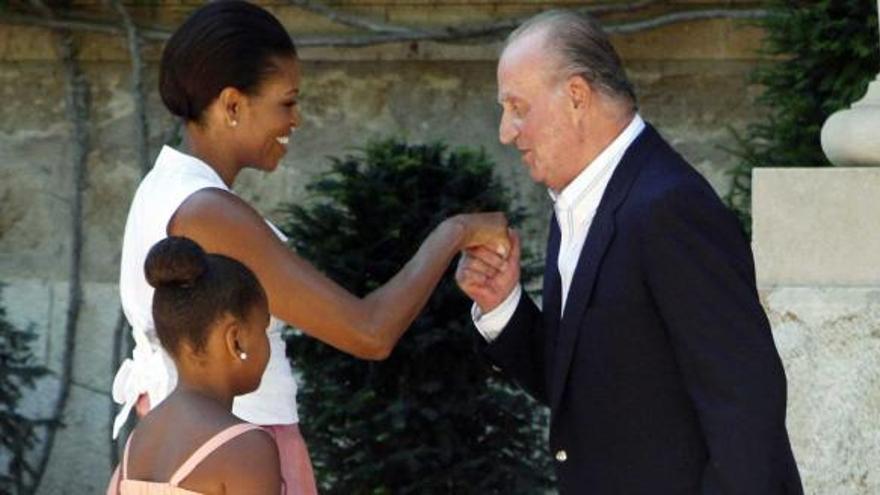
[175, 262]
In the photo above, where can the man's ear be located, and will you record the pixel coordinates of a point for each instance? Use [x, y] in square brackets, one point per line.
[231, 102]
[579, 91]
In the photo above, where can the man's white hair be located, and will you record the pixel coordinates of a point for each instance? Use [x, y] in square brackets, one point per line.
[582, 49]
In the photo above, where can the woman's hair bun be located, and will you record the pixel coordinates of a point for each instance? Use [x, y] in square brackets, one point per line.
[175, 262]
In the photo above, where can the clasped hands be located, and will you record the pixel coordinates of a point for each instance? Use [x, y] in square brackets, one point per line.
[489, 272]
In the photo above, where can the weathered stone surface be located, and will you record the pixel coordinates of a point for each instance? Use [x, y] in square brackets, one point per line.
[79, 463]
[816, 226]
[829, 340]
[28, 305]
[700, 39]
[43, 306]
[343, 105]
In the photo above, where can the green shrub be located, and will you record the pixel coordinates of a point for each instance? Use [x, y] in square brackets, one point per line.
[433, 417]
[18, 371]
[823, 55]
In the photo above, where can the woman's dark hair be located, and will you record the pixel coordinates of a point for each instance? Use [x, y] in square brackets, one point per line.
[193, 289]
[229, 43]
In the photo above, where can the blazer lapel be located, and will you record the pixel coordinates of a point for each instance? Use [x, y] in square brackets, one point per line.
[551, 301]
[600, 234]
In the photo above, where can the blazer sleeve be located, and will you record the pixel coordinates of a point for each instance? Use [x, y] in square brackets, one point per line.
[700, 272]
[519, 349]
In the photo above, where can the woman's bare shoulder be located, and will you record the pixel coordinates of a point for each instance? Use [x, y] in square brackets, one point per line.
[213, 204]
[221, 222]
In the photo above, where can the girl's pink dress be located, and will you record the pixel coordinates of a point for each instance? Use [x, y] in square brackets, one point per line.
[137, 487]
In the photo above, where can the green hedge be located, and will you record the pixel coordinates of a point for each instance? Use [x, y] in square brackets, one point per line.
[433, 417]
[823, 54]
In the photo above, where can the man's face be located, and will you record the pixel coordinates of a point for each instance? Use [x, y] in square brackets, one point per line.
[538, 114]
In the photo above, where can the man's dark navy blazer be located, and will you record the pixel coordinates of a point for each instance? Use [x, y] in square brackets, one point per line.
[661, 376]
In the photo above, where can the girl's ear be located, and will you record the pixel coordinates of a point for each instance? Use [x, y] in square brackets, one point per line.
[233, 336]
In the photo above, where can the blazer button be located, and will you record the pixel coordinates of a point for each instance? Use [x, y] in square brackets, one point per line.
[561, 456]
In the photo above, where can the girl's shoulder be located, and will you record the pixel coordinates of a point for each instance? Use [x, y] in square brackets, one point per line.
[203, 453]
[170, 433]
[242, 456]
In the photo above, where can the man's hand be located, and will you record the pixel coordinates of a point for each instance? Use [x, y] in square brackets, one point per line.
[486, 277]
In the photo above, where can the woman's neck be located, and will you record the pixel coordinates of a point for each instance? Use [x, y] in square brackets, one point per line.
[211, 149]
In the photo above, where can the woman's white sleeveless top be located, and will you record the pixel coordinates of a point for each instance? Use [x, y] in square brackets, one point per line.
[174, 177]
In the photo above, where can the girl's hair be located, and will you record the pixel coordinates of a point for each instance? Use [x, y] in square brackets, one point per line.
[229, 43]
[194, 289]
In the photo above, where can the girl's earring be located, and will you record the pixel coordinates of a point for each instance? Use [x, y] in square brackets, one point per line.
[243, 355]
[234, 123]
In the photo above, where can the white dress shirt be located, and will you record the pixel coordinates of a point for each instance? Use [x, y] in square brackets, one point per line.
[574, 207]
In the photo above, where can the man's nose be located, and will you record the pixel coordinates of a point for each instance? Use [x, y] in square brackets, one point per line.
[506, 131]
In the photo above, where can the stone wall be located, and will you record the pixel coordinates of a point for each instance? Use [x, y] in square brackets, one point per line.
[829, 340]
[817, 256]
[692, 79]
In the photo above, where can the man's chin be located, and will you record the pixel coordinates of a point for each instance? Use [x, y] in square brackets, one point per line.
[535, 174]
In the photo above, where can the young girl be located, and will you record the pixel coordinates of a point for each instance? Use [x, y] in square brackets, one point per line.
[210, 314]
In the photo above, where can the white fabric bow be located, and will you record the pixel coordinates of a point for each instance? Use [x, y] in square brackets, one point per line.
[148, 371]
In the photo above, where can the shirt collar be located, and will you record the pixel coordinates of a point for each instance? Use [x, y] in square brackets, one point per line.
[171, 157]
[589, 177]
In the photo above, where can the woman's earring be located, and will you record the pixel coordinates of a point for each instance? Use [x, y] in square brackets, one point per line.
[243, 355]
[234, 123]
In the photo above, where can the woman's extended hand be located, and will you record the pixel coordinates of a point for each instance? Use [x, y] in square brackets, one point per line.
[486, 229]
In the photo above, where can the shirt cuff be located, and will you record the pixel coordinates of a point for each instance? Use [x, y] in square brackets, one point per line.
[492, 323]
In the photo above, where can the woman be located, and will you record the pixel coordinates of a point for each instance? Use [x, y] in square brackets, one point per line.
[210, 314]
[232, 73]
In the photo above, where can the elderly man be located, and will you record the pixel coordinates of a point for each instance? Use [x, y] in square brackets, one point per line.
[652, 349]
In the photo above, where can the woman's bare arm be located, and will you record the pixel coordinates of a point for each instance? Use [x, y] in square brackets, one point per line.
[301, 295]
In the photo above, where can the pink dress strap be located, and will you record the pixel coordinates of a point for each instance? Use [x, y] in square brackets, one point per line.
[125, 458]
[206, 449]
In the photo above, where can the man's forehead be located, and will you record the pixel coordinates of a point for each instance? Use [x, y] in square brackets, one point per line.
[529, 44]
[524, 63]
[516, 85]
